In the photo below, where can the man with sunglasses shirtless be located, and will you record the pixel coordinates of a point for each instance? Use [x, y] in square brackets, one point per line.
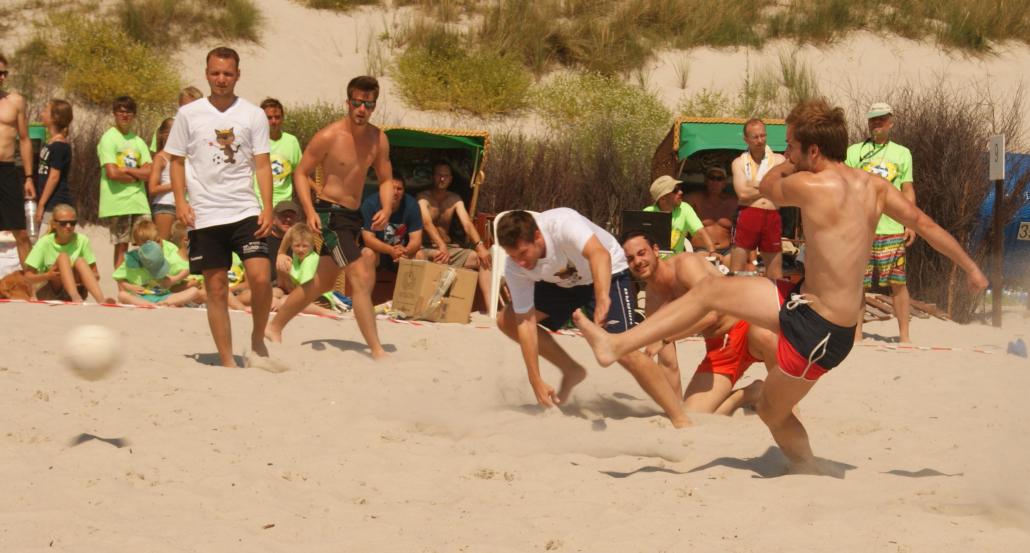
[344, 150]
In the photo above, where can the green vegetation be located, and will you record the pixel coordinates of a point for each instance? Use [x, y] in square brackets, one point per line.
[96, 62]
[765, 94]
[337, 5]
[165, 24]
[617, 36]
[304, 120]
[441, 72]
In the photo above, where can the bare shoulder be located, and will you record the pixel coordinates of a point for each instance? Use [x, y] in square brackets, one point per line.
[692, 267]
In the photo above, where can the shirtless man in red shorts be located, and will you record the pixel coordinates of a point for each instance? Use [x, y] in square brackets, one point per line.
[732, 345]
[816, 319]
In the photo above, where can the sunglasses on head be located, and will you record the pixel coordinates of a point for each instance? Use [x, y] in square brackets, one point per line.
[68, 223]
[369, 104]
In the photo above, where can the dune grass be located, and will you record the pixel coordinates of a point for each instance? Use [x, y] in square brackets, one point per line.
[337, 5]
[768, 93]
[166, 24]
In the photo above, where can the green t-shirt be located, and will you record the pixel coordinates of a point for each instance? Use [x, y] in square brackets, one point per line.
[284, 155]
[684, 222]
[44, 254]
[176, 263]
[303, 270]
[132, 271]
[124, 151]
[891, 161]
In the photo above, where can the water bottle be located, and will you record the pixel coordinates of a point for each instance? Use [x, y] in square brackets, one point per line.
[30, 220]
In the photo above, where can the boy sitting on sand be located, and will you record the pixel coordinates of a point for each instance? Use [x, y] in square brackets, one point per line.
[146, 277]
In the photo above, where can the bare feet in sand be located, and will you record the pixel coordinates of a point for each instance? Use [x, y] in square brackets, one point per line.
[568, 382]
[379, 354]
[599, 340]
[273, 334]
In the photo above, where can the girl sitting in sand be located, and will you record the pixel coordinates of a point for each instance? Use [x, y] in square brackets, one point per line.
[150, 272]
[302, 267]
[61, 265]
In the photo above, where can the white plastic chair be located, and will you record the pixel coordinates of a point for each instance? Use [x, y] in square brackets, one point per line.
[497, 256]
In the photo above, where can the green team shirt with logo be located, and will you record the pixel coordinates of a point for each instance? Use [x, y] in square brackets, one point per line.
[123, 151]
[284, 155]
[891, 161]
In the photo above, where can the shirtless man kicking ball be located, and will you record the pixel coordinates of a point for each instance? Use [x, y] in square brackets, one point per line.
[732, 345]
[345, 150]
[815, 320]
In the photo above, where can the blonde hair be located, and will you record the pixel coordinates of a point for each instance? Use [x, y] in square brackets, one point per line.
[299, 232]
[144, 231]
[191, 92]
[178, 234]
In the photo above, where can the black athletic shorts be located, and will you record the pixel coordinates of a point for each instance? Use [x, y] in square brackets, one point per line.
[559, 303]
[212, 247]
[341, 232]
[12, 197]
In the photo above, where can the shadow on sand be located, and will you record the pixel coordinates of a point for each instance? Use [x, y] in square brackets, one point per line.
[772, 464]
[922, 473]
[212, 359]
[84, 437]
[345, 345]
[645, 470]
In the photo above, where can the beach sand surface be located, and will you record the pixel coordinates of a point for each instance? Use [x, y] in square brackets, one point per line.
[442, 448]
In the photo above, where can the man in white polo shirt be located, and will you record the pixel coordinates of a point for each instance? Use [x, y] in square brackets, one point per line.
[226, 141]
[559, 261]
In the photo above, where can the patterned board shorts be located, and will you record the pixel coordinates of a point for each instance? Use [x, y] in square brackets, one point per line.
[886, 265]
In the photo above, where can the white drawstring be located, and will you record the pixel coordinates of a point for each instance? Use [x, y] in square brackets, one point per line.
[796, 300]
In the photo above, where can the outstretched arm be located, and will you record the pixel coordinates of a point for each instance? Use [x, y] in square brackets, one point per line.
[601, 272]
[904, 211]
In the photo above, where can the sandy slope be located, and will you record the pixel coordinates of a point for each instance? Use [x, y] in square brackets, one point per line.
[441, 449]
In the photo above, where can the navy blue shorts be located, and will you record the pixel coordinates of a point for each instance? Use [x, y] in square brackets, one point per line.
[559, 303]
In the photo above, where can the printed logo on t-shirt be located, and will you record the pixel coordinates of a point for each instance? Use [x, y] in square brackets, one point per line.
[569, 275]
[44, 161]
[128, 158]
[394, 234]
[225, 143]
[281, 168]
[881, 168]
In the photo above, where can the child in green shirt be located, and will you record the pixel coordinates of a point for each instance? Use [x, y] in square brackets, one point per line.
[303, 266]
[61, 265]
[154, 273]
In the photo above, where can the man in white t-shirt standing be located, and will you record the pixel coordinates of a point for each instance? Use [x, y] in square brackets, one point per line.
[226, 141]
[559, 261]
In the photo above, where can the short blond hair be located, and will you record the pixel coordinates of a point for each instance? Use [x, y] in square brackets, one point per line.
[178, 234]
[297, 233]
[144, 231]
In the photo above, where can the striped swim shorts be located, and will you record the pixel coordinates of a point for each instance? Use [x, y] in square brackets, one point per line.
[887, 263]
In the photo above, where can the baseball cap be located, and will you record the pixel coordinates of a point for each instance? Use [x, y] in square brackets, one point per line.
[662, 186]
[152, 257]
[286, 205]
[878, 109]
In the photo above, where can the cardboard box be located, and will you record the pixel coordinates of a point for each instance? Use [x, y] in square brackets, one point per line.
[420, 282]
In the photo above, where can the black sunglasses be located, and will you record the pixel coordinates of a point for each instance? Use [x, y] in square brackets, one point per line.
[369, 104]
[716, 177]
[68, 223]
[4, 73]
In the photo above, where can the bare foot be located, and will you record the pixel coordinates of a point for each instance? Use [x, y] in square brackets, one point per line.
[568, 382]
[682, 422]
[273, 334]
[258, 347]
[265, 363]
[806, 466]
[379, 354]
[599, 340]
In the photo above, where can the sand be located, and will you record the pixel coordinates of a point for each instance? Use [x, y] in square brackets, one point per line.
[441, 448]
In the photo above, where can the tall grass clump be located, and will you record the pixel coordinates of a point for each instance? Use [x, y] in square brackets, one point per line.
[442, 73]
[338, 5]
[767, 93]
[304, 120]
[99, 62]
[597, 158]
[947, 131]
[165, 24]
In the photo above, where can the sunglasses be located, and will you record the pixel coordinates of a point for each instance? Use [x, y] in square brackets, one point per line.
[68, 223]
[716, 177]
[4, 73]
[369, 104]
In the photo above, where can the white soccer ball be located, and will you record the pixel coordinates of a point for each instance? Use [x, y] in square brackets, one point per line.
[91, 351]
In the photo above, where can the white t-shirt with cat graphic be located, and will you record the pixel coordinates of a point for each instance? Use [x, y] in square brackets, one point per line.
[565, 235]
[220, 147]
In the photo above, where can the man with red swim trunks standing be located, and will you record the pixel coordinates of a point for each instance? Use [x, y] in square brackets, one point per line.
[758, 222]
[732, 344]
[816, 320]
